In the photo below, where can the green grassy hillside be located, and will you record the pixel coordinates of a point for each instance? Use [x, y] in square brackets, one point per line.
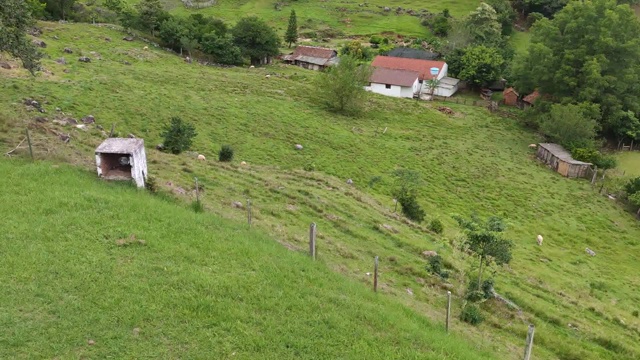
[470, 161]
[187, 286]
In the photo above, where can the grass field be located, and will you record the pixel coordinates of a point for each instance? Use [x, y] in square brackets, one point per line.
[471, 161]
[216, 291]
[347, 16]
[629, 162]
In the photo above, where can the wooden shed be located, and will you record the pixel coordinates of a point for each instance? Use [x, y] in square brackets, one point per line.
[561, 161]
[510, 97]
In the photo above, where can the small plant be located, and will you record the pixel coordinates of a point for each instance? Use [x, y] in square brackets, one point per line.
[374, 181]
[411, 208]
[487, 288]
[436, 226]
[436, 266]
[471, 314]
[309, 167]
[226, 153]
[151, 185]
[197, 206]
[635, 313]
[178, 135]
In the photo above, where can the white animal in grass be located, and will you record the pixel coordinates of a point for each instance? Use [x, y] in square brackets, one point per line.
[539, 239]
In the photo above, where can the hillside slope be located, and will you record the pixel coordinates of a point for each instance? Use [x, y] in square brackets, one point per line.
[75, 285]
[471, 161]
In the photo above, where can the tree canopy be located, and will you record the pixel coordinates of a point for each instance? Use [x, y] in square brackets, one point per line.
[589, 53]
[478, 65]
[15, 19]
[341, 87]
[483, 25]
[255, 38]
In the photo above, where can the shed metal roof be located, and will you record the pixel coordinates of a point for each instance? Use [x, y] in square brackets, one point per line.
[561, 153]
[394, 77]
[120, 146]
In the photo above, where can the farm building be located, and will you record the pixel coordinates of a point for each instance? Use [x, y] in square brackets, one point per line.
[510, 97]
[312, 57]
[396, 83]
[122, 159]
[561, 161]
[530, 99]
[427, 70]
[411, 53]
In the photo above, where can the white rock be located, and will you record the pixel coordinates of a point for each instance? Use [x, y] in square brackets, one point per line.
[299, 147]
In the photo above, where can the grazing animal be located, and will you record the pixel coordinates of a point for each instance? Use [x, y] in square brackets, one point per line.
[145, 48]
[201, 157]
[590, 252]
[540, 240]
[267, 76]
[243, 163]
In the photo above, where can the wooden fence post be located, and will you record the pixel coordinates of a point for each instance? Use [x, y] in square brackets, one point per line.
[448, 310]
[312, 240]
[529, 345]
[113, 129]
[595, 173]
[249, 212]
[29, 142]
[375, 275]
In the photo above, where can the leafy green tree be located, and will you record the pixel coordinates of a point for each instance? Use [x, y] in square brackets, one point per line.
[172, 31]
[222, 48]
[484, 239]
[114, 5]
[190, 44]
[483, 25]
[36, 8]
[571, 125]
[200, 26]
[151, 15]
[477, 65]
[506, 14]
[256, 39]
[291, 36]
[59, 9]
[578, 57]
[341, 87]
[635, 201]
[545, 7]
[178, 135]
[356, 50]
[15, 19]
[405, 192]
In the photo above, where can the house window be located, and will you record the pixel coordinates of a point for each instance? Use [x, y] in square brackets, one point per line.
[387, 86]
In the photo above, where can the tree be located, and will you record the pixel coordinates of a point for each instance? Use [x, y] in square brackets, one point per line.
[172, 31]
[188, 43]
[477, 65]
[406, 192]
[114, 5]
[506, 14]
[483, 238]
[151, 15]
[483, 25]
[15, 19]
[546, 7]
[355, 50]
[222, 49]
[578, 57]
[291, 36]
[36, 8]
[571, 125]
[59, 9]
[256, 39]
[341, 87]
[178, 135]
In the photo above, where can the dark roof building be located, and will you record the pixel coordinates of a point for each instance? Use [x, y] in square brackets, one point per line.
[312, 57]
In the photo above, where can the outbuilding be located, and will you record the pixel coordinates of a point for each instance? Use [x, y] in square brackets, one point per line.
[312, 57]
[396, 83]
[510, 97]
[561, 161]
[122, 159]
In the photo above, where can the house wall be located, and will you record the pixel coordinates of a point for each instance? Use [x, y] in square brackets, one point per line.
[445, 91]
[395, 91]
[443, 71]
[138, 162]
[511, 99]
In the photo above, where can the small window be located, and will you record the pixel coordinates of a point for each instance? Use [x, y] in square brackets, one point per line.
[387, 86]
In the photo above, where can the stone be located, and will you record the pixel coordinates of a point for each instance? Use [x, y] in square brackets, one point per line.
[126, 62]
[41, 119]
[107, 39]
[237, 205]
[91, 342]
[386, 8]
[66, 71]
[5, 65]
[243, 163]
[39, 43]
[89, 119]
[590, 252]
[68, 50]
[58, 109]
[409, 291]
[99, 127]
[41, 110]
[136, 332]
[389, 228]
[56, 37]
[131, 136]
[160, 147]
[127, 38]
[61, 61]
[65, 138]
[81, 127]
[84, 59]
[349, 181]
[429, 253]
[299, 147]
[71, 121]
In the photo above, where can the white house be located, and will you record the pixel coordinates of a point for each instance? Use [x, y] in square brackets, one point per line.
[428, 71]
[396, 83]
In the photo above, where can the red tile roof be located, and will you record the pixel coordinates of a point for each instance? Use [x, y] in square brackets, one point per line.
[510, 90]
[393, 77]
[422, 67]
[531, 98]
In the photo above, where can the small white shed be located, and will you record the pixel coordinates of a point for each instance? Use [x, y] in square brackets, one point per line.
[392, 82]
[122, 159]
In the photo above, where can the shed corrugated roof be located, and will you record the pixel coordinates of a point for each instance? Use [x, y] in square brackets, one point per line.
[393, 77]
[423, 67]
[561, 153]
[120, 146]
[311, 54]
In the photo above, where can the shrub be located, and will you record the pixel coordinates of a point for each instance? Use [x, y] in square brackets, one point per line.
[197, 206]
[487, 288]
[151, 184]
[635, 313]
[309, 167]
[226, 153]
[633, 186]
[471, 314]
[436, 266]
[178, 135]
[533, 17]
[436, 226]
[411, 208]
